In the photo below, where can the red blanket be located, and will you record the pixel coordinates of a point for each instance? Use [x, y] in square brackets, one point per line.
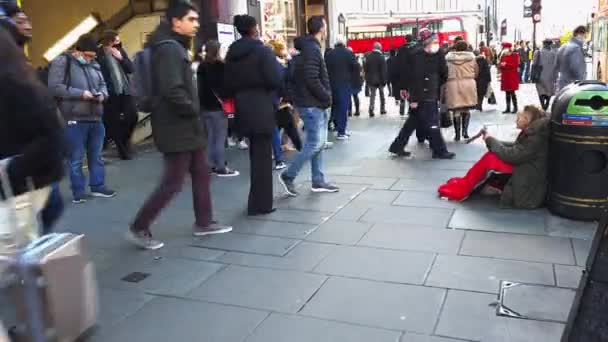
[459, 189]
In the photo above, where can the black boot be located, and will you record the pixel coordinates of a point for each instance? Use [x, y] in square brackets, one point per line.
[466, 118]
[457, 124]
[515, 109]
[508, 110]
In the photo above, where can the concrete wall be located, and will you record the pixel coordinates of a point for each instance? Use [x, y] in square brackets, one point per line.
[52, 19]
[134, 33]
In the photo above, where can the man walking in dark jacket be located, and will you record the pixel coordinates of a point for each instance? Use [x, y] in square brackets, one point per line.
[376, 77]
[120, 116]
[428, 73]
[403, 70]
[312, 97]
[340, 66]
[176, 127]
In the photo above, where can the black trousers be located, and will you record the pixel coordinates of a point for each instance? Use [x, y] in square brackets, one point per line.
[425, 119]
[120, 119]
[260, 156]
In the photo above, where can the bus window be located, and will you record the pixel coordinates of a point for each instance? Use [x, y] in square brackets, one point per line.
[447, 25]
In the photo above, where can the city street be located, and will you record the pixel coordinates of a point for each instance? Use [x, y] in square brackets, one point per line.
[383, 260]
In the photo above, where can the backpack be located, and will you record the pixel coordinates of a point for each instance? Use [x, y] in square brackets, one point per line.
[143, 88]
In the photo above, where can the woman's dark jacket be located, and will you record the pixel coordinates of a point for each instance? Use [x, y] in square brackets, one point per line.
[210, 77]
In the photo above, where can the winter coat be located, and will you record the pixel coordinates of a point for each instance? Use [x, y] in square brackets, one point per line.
[210, 80]
[125, 64]
[570, 63]
[311, 81]
[484, 77]
[357, 79]
[252, 76]
[340, 65]
[427, 73]
[68, 80]
[546, 58]
[509, 66]
[393, 74]
[176, 122]
[404, 60]
[524, 55]
[527, 187]
[376, 69]
[461, 88]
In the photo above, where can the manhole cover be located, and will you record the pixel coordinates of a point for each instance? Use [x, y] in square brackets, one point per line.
[535, 302]
[135, 277]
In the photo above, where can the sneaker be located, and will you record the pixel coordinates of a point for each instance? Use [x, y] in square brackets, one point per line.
[103, 193]
[325, 187]
[383, 112]
[399, 153]
[213, 228]
[79, 199]
[231, 142]
[446, 155]
[143, 240]
[342, 137]
[280, 166]
[288, 185]
[226, 172]
[243, 145]
[328, 145]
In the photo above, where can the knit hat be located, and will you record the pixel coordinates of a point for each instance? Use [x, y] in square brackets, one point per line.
[86, 43]
[426, 36]
[507, 45]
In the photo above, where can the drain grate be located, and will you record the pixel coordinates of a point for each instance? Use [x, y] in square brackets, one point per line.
[135, 277]
[534, 302]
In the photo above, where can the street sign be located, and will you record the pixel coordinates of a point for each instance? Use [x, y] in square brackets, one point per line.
[527, 12]
[536, 18]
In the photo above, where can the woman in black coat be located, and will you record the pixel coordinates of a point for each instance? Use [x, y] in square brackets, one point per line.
[252, 76]
[484, 78]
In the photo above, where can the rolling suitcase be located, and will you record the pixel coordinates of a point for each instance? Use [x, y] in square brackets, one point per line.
[53, 285]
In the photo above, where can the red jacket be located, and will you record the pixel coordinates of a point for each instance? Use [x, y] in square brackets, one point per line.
[509, 64]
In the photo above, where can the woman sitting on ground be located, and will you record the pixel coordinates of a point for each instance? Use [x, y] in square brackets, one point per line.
[525, 160]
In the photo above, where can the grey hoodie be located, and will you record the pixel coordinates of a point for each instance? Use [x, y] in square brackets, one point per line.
[81, 77]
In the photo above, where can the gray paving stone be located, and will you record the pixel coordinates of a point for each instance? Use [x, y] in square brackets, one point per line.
[374, 197]
[296, 216]
[409, 237]
[341, 232]
[426, 199]
[273, 228]
[417, 184]
[410, 337]
[466, 315]
[484, 275]
[304, 257]
[377, 264]
[115, 305]
[282, 328]
[282, 291]
[581, 250]
[504, 221]
[519, 330]
[390, 306]
[518, 247]
[372, 182]
[352, 211]
[170, 319]
[431, 217]
[167, 276]
[540, 302]
[322, 202]
[557, 226]
[568, 276]
[245, 243]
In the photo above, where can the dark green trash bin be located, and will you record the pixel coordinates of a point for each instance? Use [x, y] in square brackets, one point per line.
[578, 159]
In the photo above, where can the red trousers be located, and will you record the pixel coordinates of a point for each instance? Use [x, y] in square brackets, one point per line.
[459, 189]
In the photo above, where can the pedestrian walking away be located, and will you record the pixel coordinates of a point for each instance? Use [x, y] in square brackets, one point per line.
[393, 77]
[341, 64]
[376, 78]
[120, 113]
[356, 88]
[461, 88]
[428, 72]
[76, 79]
[211, 91]
[404, 60]
[509, 81]
[544, 73]
[177, 128]
[570, 64]
[312, 97]
[253, 77]
[483, 80]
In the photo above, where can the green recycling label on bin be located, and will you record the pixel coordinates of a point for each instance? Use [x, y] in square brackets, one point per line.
[587, 108]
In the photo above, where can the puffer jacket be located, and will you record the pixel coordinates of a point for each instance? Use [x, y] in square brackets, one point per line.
[311, 81]
[461, 88]
[68, 80]
[527, 187]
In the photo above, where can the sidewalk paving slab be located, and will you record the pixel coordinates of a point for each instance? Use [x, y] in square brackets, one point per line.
[340, 232]
[413, 238]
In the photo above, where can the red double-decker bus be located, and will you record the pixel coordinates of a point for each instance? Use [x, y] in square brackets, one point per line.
[392, 35]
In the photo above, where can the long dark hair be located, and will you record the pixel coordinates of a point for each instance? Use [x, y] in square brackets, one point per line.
[212, 51]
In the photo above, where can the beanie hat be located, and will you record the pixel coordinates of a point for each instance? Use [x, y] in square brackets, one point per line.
[86, 43]
[426, 36]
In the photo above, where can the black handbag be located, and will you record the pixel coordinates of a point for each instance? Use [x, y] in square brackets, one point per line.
[446, 120]
[284, 117]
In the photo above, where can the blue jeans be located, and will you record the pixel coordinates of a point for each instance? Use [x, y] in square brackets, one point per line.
[85, 137]
[277, 147]
[217, 130]
[341, 103]
[315, 129]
